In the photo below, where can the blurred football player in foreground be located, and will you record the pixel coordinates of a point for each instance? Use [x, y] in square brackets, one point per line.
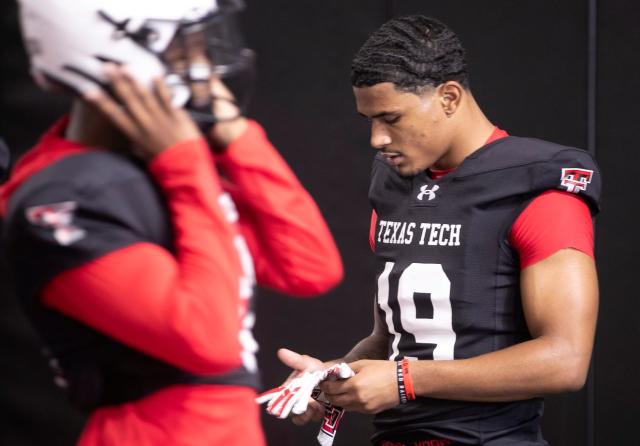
[135, 239]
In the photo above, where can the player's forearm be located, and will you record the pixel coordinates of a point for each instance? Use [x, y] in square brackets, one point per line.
[205, 288]
[533, 368]
[373, 346]
[293, 249]
[203, 237]
[137, 296]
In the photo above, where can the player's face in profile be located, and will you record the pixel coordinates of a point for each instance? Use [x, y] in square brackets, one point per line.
[407, 128]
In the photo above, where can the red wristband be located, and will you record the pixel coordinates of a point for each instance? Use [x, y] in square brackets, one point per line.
[406, 377]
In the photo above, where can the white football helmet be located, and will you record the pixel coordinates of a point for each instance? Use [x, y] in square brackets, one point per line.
[69, 41]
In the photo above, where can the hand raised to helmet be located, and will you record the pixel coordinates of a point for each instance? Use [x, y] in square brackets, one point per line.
[147, 117]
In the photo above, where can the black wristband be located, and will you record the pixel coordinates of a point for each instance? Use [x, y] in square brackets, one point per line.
[402, 392]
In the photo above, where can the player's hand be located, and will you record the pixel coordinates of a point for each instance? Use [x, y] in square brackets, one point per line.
[373, 389]
[314, 412]
[300, 364]
[147, 117]
[232, 124]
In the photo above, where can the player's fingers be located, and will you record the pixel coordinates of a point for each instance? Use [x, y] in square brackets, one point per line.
[301, 420]
[124, 88]
[297, 361]
[148, 101]
[300, 406]
[314, 412]
[163, 94]
[334, 387]
[112, 111]
[305, 395]
[179, 116]
[317, 410]
[282, 404]
[291, 377]
[224, 106]
[277, 402]
[291, 359]
[343, 400]
[268, 395]
[288, 405]
[219, 89]
[357, 365]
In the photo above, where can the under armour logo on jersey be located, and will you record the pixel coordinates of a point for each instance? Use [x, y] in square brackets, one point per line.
[431, 193]
[59, 218]
[576, 179]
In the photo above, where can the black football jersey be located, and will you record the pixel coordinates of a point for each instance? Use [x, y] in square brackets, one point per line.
[114, 204]
[448, 279]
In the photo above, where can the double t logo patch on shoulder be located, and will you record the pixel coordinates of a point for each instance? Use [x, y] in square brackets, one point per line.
[575, 179]
[59, 218]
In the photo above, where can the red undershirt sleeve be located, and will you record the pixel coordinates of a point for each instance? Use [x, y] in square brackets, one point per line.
[182, 309]
[552, 221]
[293, 250]
[372, 230]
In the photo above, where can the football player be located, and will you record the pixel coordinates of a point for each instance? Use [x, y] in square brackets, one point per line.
[135, 240]
[487, 291]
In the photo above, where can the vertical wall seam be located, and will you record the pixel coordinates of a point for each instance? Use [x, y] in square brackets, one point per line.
[390, 9]
[592, 65]
[591, 76]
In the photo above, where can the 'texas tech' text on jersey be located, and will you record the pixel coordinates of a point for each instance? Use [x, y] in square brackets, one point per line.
[431, 234]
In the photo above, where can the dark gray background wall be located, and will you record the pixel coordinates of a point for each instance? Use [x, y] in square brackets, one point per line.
[536, 71]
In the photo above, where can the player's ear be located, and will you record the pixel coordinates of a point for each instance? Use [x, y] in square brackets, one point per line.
[450, 94]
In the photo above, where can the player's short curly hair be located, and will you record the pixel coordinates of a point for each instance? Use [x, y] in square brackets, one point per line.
[413, 52]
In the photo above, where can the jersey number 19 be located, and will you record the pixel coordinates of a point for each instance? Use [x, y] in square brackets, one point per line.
[426, 279]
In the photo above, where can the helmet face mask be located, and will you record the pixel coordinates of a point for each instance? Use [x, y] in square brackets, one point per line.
[186, 42]
[212, 47]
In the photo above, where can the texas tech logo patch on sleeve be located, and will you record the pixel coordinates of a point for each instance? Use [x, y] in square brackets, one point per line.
[59, 218]
[575, 179]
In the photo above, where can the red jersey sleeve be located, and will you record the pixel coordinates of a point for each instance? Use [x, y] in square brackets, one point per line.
[552, 221]
[291, 245]
[182, 309]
